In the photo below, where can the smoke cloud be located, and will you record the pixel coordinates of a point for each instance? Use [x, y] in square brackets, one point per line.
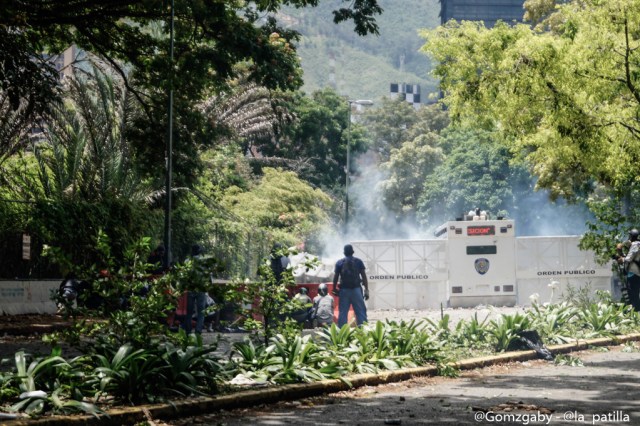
[533, 212]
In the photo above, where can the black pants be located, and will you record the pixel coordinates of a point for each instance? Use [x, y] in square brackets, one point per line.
[633, 282]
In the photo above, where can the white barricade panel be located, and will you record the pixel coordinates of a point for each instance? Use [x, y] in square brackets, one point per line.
[407, 295]
[379, 257]
[545, 291]
[552, 258]
[422, 260]
[407, 274]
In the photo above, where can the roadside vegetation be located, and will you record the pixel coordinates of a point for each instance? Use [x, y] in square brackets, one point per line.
[131, 358]
[257, 161]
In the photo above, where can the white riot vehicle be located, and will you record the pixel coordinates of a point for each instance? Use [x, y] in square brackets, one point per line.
[478, 261]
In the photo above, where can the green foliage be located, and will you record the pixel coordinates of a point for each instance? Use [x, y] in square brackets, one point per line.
[390, 125]
[283, 204]
[568, 360]
[252, 358]
[134, 38]
[335, 338]
[504, 331]
[162, 370]
[564, 100]
[121, 31]
[476, 172]
[553, 321]
[615, 214]
[298, 360]
[132, 302]
[409, 168]
[314, 141]
[267, 298]
[415, 340]
[441, 329]
[583, 297]
[47, 383]
[129, 374]
[195, 274]
[447, 370]
[82, 175]
[150, 375]
[604, 318]
[471, 332]
[86, 155]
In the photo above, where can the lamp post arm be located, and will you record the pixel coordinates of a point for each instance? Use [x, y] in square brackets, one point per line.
[347, 169]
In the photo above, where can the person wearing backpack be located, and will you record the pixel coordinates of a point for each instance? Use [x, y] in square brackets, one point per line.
[350, 271]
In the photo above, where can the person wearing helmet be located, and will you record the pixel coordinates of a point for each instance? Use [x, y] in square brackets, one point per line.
[323, 303]
[351, 273]
[632, 267]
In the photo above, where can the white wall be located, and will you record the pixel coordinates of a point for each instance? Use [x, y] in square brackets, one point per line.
[27, 297]
[417, 274]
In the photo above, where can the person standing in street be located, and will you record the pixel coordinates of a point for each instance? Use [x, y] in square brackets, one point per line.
[632, 267]
[350, 272]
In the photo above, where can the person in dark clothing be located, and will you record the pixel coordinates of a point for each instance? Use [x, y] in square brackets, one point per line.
[350, 271]
[632, 268]
[279, 262]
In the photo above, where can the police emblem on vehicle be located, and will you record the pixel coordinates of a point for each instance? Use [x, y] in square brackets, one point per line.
[482, 265]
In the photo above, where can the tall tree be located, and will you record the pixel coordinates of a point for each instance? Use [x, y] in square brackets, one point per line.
[282, 204]
[475, 174]
[313, 143]
[210, 38]
[409, 167]
[81, 176]
[389, 125]
[567, 101]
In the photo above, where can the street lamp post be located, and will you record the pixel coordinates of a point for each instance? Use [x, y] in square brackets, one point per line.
[169, 152]
[364, 102]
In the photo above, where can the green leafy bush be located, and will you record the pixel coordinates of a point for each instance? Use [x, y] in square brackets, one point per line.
[504, 331]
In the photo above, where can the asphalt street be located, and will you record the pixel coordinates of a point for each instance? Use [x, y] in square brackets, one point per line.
[604, 391]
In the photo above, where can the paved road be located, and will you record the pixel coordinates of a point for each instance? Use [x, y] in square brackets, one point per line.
[605, 391]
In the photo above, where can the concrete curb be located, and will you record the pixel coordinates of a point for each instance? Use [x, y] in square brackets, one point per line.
[196, 406]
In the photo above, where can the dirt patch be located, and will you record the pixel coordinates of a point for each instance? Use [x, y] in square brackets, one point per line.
[24, 333]
[20, 325]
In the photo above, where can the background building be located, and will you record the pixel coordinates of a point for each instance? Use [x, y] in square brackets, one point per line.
[487, 11]
[408, 92]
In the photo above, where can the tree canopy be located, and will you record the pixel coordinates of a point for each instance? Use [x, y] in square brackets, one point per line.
[566, 100]
[213, 42]
[210, 38]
